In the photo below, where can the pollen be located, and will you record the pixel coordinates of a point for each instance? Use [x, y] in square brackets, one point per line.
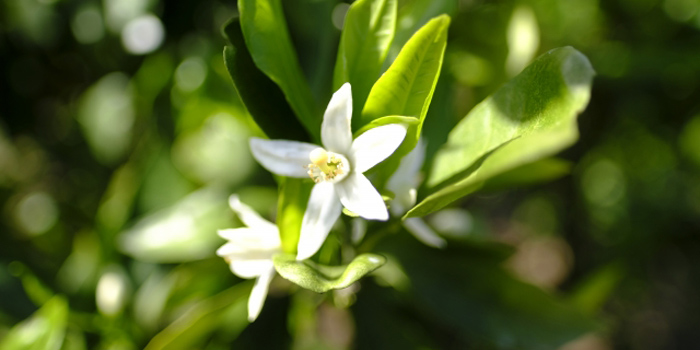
[324, 166]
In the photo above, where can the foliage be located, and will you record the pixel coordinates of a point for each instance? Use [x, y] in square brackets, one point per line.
[568, 204]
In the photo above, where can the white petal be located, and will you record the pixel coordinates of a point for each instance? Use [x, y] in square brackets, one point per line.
[250, 268]
[406, 176]
[336, 134]
[359, 196]
[282, 157]
[419, 229]
[404, 199]
[252, 239]
[375, 145]
[321, 213]
[248, 216]
[259, 293]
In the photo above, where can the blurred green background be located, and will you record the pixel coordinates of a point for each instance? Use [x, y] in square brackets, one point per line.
[121, 136]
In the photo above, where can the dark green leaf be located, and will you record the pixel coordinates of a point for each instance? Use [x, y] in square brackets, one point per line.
[464, 288]
[267, 38]
[261, 96]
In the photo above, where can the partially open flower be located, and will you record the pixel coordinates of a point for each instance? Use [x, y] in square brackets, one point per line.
[336, 168]
[249, 252]
[404, 183]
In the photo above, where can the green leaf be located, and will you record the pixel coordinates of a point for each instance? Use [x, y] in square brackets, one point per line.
[531, 117]
[466, 289]
[320, 278]
[267, 38]
[261, 96]
[44, 330]
[543, 170]
[293, 197]
[591, 294]
[413, 15]
[192, 329]
[407, 87]
[392, 119]
[368, 31]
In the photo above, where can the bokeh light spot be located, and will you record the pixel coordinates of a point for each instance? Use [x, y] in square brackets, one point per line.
[111, 291]
[87, 25]
[143, 35]
[339, 13]
[190, 74]
[36, 213]
[604, 183]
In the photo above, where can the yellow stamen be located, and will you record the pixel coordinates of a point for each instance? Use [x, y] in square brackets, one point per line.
[319, 157]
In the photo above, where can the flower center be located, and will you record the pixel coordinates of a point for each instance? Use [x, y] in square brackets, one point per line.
[327, 166]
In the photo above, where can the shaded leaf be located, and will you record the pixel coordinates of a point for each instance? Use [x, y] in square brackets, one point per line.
[320, 278]
[261, 96]
[464, 288]
[367, 34]
[531, 117]
[267, 38]
[194, 327]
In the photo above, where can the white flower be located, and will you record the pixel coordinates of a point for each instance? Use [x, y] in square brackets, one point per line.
[404, 183]
[336, 168]
[249, 252]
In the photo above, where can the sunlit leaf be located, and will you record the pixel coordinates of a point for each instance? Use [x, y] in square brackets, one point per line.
[44, 330]
[293, 196]
[413, 15]
[320, 278]
[261, 96]
[531, 117]
[407, 87]
[369, 28]
[267, 38]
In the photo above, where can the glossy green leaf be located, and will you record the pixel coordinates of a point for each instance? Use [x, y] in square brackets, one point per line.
[368, 31]
[320, 278]
[413, 15]
[392, 119]
[531, 117]
[267, 38]
[407, 87]
[293, 197]
[261, 96]
[44, 330]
